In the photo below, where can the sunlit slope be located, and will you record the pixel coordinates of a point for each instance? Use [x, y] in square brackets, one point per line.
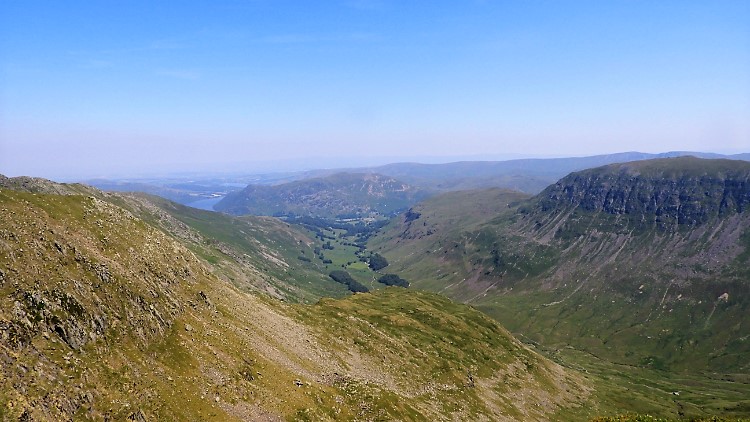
[103, 316]
[646, 263]
[254, 253]
[431, 243]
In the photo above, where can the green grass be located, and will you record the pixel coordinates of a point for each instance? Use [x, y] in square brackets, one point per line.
[344, 257]
[425, 339]
[649, 418]
[415, 339]
[238, 249]
[565, 294]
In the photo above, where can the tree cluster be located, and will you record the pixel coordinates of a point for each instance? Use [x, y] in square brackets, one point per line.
[344, 277]
[377, 262]
[393, 280]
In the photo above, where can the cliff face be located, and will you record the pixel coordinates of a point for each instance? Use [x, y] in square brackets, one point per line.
[667, 194]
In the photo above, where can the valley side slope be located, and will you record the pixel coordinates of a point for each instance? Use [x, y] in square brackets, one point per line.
[643, 264]
[105, 315]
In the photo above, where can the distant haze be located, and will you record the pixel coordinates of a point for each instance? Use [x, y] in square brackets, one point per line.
[92, 89]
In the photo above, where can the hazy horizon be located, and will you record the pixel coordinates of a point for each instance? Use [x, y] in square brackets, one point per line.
[101, 89]
[232, 169]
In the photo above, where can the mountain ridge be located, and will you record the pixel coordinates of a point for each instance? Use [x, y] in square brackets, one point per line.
[678, 295]
[529, 175]
[684, 191]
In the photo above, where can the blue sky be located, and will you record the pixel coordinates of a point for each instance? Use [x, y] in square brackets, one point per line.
[92, 88]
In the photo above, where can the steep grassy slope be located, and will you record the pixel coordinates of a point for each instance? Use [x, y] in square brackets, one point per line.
[330, 196]
[254, 253]
[645, 264]
[431, 243]
[104, 316]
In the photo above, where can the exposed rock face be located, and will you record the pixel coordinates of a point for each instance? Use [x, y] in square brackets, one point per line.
[79, 275]
[667, 194]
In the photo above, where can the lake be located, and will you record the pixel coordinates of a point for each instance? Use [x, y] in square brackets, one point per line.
[206, 204]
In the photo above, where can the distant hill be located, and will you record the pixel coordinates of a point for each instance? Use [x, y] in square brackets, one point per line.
[646, 263]
[341, 194]
[132, 307]
[525, 175]
[173, 194]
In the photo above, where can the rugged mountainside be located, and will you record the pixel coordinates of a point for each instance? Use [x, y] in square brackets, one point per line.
[106, 316]
[645, 263]
[341, 194]
[662, 195]
[253, 253]
[39, 185]
[524, 175]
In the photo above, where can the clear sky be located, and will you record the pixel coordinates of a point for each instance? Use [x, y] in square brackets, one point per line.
[92, 88]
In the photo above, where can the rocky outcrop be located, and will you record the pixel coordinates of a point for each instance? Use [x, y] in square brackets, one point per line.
[79, 275]
[667, 194]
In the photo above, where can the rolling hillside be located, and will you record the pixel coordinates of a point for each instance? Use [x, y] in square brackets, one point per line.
[253, 253]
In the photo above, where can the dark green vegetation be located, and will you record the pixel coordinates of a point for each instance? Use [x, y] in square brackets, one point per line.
[377, 262]
[637, 272]
[253, 253]
[108, 316]
[344, 278]
[393, 280]
[339, 245]
[631, 280]
[342, 195]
